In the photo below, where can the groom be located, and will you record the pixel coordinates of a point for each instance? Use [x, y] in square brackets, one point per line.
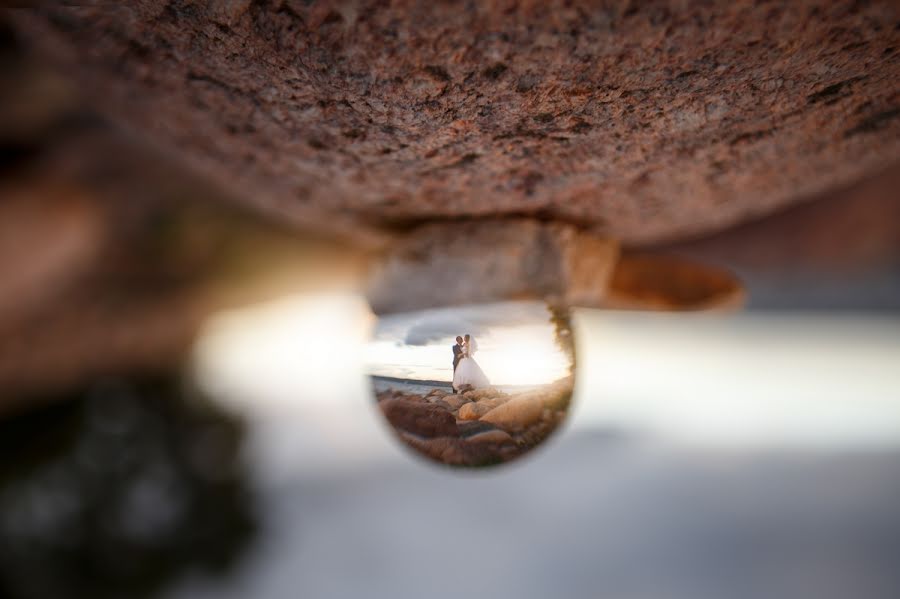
[457, 354]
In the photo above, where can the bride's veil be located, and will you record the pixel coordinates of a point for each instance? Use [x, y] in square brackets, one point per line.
[473, 346]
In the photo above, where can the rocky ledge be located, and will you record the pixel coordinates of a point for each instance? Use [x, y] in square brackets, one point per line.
[479, 427]
[643, 121]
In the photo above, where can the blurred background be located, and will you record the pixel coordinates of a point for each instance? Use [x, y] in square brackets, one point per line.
[185, 411]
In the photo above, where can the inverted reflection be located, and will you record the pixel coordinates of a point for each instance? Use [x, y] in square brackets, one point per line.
[474, 385]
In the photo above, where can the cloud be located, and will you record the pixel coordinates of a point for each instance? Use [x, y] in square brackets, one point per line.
[433, 326]
[440, 328]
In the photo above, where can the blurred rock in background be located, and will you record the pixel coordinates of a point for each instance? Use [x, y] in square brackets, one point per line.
[840, 251]
[163, 160]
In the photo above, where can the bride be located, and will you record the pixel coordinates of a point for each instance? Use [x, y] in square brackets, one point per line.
[468, 372]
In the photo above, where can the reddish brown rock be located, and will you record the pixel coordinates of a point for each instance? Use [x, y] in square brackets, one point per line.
[48, 238]
[660, 282]
[419, 418]
[311, 113]
[494, 436]
[488, 450]
[469, 428]
[644, 121]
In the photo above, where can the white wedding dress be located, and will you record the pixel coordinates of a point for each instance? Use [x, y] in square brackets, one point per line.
[468, 372]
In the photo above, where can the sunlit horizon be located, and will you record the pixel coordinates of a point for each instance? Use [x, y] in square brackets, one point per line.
[521, 355]
[516, 344]
[816, 381]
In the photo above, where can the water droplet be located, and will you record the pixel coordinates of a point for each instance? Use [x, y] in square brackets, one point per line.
[474, 385]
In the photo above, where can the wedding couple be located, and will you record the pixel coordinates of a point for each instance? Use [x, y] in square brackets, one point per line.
[467, 374]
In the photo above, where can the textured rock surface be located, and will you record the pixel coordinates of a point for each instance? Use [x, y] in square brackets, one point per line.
[529, 408]
[494, 436]
[467, 436]
[464, 452]
[646, 120]
[517, 413]
[413, 415]
[456, 402]
[475, 410]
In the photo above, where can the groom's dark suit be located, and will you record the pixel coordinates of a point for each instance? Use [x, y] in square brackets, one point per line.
[457, 355]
